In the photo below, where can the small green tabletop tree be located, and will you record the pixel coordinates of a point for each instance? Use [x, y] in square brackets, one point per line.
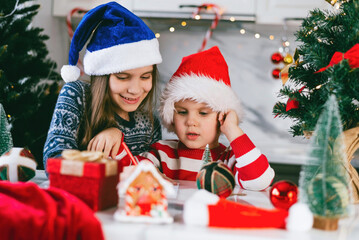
[5, 135]
[324, 181]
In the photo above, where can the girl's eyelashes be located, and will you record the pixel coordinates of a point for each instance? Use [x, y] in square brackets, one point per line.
[122, 77]
[145, 77]
[126, 76]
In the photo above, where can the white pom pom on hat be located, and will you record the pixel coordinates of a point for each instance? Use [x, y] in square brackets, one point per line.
[300, 218]
[70, 73]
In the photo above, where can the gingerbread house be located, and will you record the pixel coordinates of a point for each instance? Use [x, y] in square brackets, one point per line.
[144, 193]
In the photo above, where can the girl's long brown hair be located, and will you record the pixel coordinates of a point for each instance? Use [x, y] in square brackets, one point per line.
[99, 109]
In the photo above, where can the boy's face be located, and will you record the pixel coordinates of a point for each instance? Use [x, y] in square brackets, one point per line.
[196, 125]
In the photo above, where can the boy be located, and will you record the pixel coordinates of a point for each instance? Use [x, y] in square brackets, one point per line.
[198, 104]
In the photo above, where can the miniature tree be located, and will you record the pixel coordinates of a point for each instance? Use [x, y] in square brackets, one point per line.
[327, 37]
[324, 181]
[206, 158]
[5, 135]
[28, 80]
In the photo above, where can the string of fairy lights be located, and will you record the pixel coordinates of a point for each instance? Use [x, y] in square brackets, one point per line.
[183, 24]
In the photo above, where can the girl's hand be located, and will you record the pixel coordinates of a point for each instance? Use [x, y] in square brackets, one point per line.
[229, 125]
[108, 141]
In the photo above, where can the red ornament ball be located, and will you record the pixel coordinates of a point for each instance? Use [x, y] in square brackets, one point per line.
[283, 194]
[276, 58]
[276, 73]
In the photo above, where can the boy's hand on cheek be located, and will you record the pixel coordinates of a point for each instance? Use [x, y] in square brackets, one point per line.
[229, 125]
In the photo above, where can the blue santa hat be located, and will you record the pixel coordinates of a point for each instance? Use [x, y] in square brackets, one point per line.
[120, 41]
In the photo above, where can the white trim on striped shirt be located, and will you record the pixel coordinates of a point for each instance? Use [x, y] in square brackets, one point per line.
[259, 183]
[248, 158]
[169, 143]
[152, 158]
[121, 155]
[183, 163]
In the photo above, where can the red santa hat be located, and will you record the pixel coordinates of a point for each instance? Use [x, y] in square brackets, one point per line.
[204, 78]
[207, 209]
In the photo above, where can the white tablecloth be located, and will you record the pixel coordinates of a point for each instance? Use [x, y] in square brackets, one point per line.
[348, 228]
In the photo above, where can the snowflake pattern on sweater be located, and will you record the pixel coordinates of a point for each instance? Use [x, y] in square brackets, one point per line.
[139, 133]
[250, 167]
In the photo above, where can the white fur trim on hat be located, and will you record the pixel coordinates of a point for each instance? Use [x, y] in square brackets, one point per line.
[195, 210]
[122, 57]
[203, 89]
[70, 73]
[300, 218]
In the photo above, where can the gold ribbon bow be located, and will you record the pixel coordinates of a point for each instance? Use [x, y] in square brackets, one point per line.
[75, 161]
[84, 156]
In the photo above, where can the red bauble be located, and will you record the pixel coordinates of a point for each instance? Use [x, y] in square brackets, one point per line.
[276, 73]
[283, 194]
[276, 58]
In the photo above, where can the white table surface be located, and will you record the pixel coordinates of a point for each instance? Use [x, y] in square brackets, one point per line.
[348, 228]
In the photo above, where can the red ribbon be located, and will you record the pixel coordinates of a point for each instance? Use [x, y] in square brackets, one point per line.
[292, 103]
[352, 55]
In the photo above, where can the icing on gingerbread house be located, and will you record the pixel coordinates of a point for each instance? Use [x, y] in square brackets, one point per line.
[145, 194]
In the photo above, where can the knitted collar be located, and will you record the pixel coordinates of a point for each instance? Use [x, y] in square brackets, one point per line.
[129, 124]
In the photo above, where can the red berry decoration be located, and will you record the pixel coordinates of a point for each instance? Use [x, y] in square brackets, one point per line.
[276, 73]
[283, 194]
[276, 58]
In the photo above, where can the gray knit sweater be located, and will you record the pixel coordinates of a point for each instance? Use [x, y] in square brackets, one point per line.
[139, 133]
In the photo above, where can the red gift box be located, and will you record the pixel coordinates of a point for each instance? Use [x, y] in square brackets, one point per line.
[93, 182]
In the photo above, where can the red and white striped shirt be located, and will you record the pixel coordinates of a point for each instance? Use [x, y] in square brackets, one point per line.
[250, 167]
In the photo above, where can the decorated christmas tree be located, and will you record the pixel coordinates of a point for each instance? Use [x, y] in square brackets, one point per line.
[324, 182]
[28, 82]
[326, 63]
[5, 135]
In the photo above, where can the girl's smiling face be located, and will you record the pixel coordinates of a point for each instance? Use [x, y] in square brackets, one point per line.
[129, 88]
[196, 125]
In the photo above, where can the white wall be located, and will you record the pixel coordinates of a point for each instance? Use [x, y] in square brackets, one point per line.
[249, 65]
[55, 28]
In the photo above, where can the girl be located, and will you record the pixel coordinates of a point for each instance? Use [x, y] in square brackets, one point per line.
[198, 104]
[121, 59]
